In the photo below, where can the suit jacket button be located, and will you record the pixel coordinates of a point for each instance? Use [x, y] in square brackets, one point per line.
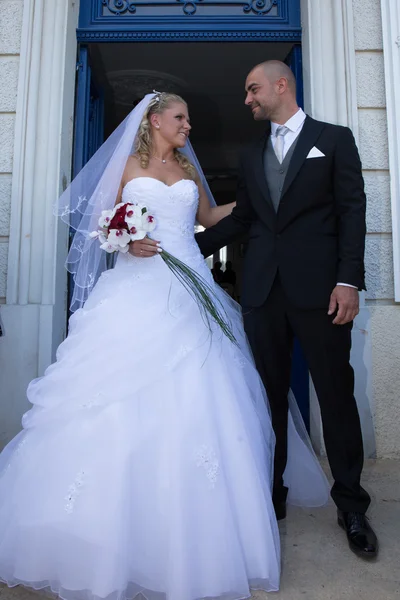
[278, 236]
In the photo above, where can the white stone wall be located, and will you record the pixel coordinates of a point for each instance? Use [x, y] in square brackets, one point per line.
[385, 314]
[36, 155]
[10, 39]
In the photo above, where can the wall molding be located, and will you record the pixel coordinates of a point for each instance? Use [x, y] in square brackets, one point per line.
[190, 36]
[194, 20]
[37, 152]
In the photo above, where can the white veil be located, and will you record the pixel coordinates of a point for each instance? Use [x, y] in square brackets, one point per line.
[95, 189]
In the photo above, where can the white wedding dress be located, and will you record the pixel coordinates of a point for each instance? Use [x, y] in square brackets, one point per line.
[145, 464]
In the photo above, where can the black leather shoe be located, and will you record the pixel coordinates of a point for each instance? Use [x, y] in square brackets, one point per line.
[361, 537]
[280, 510]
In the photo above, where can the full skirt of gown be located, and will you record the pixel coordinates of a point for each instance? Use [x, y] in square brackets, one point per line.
[145, 463]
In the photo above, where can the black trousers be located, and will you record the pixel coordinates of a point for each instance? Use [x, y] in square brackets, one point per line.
[271, 329]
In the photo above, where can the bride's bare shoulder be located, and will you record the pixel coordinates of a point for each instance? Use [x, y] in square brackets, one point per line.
[132, 168]
[133, 162]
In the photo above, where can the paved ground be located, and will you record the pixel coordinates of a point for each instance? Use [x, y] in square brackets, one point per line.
[317, 564]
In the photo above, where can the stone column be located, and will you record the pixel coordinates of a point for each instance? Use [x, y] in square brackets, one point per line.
[328, 61]
[34, 315]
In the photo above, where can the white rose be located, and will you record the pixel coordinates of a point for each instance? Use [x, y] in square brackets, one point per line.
[108, 247]
[137, 234]
[133, 218]
[106, 216]
[98, 234]
[119, 238]
[149, 222]
[132, 211]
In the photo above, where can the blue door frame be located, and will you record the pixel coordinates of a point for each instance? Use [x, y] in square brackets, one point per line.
[185, 20]
[89, 113]
[182, 20]
[88, 125]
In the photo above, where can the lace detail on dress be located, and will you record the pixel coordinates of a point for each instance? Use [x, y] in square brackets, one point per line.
[93, 401]
[103, 301]
[135, 277]
[105, 275]
[73, 492]
[17, 452]
[180, 193]
[239, 360]
[185, 229]
[174, 307]
[206, 458]
[177, 357]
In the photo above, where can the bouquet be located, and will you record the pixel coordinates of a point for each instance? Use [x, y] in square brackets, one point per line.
[122, 225]
[128, 222]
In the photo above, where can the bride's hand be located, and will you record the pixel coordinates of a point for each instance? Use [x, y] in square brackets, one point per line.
[144, 248]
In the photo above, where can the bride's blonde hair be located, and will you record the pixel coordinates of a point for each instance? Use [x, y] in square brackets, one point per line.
[144, 141]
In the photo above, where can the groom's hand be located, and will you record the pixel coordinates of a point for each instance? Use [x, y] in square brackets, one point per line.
[144, 248]
[346, 301]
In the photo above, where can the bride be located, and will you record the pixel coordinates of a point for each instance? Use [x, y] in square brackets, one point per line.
[145, 462]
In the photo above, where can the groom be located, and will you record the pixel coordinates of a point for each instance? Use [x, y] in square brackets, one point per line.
[301, 198]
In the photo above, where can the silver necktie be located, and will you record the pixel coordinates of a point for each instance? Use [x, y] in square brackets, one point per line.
[280, 141]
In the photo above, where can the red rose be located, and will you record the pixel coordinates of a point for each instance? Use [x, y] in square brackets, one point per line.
[118, 220]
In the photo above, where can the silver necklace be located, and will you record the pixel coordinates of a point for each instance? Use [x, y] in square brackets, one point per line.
[163, 160]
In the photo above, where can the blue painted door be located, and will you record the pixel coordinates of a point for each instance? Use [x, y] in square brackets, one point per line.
[88, 124]
[89, 113]
[295, 61]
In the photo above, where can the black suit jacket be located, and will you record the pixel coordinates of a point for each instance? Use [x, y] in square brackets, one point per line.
[317, 237]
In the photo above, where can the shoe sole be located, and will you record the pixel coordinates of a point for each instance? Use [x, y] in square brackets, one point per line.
[357, 552]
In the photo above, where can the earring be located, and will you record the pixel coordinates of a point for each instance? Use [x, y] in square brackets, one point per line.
[157, 127]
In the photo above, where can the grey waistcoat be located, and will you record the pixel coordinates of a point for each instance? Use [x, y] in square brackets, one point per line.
[275, 172]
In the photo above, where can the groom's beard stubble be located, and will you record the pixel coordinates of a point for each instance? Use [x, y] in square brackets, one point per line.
[259, 112]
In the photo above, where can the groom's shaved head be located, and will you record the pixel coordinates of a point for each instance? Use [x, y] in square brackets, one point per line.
[275, 69]
[271, 91]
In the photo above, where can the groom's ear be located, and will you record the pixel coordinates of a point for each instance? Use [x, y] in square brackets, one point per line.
[282, 85]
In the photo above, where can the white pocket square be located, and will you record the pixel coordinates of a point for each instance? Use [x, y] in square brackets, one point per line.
[315, 153]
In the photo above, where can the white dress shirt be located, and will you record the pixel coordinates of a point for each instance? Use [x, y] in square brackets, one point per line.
[295, 125]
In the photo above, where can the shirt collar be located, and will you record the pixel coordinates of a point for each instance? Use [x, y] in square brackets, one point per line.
[294, 123]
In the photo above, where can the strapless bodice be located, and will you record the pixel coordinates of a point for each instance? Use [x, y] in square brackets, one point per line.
[174, 208]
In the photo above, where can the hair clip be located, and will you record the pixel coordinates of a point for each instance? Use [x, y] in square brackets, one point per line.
[158, 94]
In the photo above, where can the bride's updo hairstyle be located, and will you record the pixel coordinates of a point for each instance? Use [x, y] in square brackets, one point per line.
[144, 142]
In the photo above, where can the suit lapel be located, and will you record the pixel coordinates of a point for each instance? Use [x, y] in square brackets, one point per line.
[258, 162]
[307, 139]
